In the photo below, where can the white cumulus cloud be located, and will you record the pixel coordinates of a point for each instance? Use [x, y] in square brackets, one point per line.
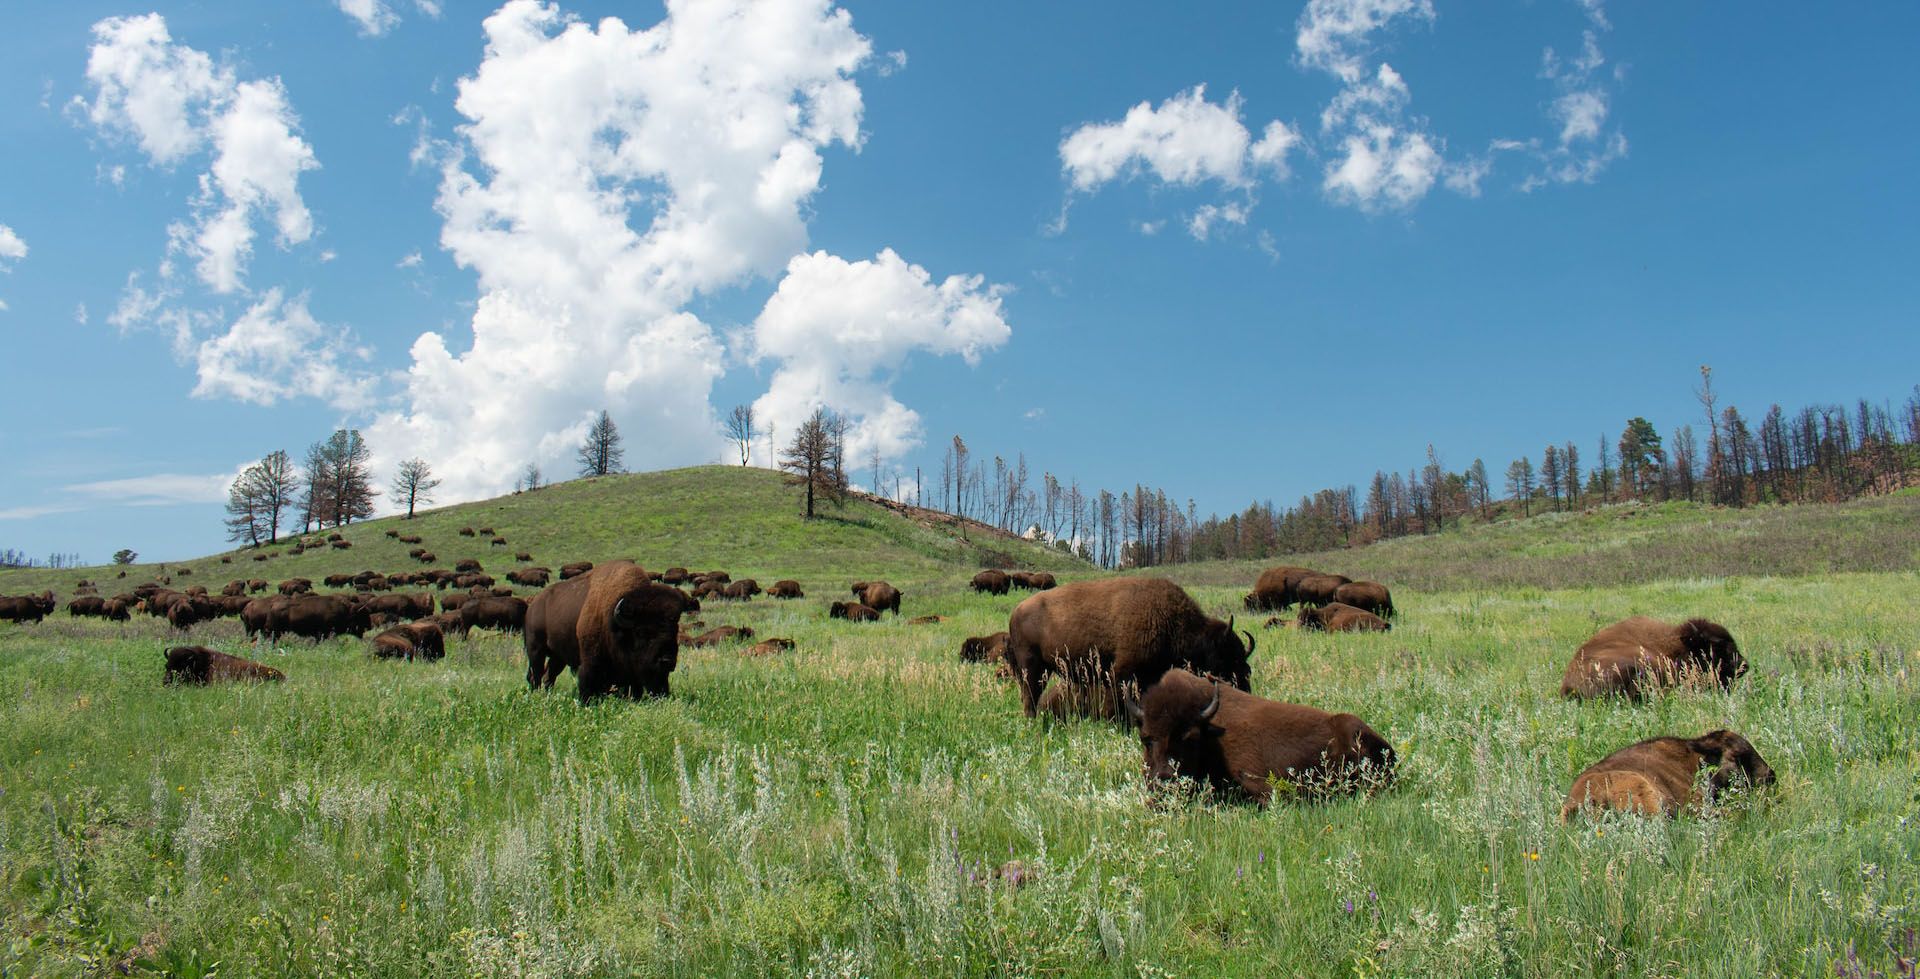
[603, 178]
[841, 329]
[12, 249]
[278, 350]
[373, 17]
[1334, 35]
[1184, 140]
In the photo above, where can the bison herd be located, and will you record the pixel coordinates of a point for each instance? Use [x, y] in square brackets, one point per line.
[1139, 651]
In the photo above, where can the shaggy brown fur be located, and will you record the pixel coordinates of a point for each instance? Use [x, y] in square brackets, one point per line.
[879, 596]
[1274, 589]
[992, 582]
[1118, 630]
[985, 649]
[200, 665]
[628, 633]
[1656, 777]
[1319, 589]
[1341, 617]
[852, 612]
[768, 647]
[1634, 656]
[720, 634]
[1368, 596]
[786, 588]
[1198, 729]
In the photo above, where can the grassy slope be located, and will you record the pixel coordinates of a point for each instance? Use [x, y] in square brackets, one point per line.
[829, 810]
[743, 520]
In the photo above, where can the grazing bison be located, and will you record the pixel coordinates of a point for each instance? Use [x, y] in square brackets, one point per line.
[342, 545]
[415, 640]
[485, 531]
[200, 665]
[1340, 617]
[1041, 581]
[256, 557]
[320, 617]
[28, 608]
[707, 589]
[718, 576]
[418, 605]
[452, 603]
[497, 542]
[675, 576]
[468, 565]
[233, 588]
[1319, 589]
[530, 577]
[741, 591]
[523, 556]
[984, 649]
[410, 539]
[426, 557]
[337, 580]
[116, 610]
[394, 534]
[852, 612]
[466, 531]
[878, 595]
[1656, 777]
[992, 582]
[1117, 631]
[1635, 655]
[295, 586]
[256, 585]
[1198, 729]
[190, 610]
[1370, 596]
[1275, 588]
[473, 581]
[768, 647]
[575, 570]
[495, 612]
[619, 632]
[87, 605]
[786, 588]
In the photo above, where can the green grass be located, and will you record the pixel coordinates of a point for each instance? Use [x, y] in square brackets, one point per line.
[831, 811]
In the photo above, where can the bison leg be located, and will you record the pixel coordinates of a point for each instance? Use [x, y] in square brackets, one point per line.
[1030, 674]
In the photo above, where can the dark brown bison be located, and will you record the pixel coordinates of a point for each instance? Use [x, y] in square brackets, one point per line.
[418, 605]
[450, 623]
[426, 557]
[485, 531]
[452, 602]
[497, 542]
[1340, 617]
[1635, 655]
[466, 531]
[992, 582]
[27, 608]
[116, 610]
[200, 665]
[190, 610]
[394, 534]
[619, 632]
[786, 588]
[852, 612]
[334, 537]
[1118, 631]
[718, 635]
[707, 589]
[1275, 588]
[473, 581]
[342, 545]
[295, 586]
[256, 585]
[256, 557]
[530, 577]
[1020, 579]
[1656, 777]
[415, 640]
[927, 620]
[416, 552]
[768, 647]
[984, 649]
[1041, 581]
[523, 556]
[337, 580]
[1319, 589]
[575, 570]
[469, 565]
[318, 617]
[410, 539]
[720, 576]
[87, 605]
[234, 588]
[1370, 596]
[674, 576]
[879, 596]
[1200, 729]
[741, 591]
[495, 612]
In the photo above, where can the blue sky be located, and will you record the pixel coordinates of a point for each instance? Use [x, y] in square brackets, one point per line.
[1238, 251]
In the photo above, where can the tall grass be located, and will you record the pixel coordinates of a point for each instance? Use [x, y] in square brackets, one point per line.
[847, 809]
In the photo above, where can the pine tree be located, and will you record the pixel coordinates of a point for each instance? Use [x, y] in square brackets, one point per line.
[601, 454]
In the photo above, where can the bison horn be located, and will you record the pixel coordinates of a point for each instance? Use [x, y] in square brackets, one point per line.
[1132, 707]
[1229, 621]
[1249, 636]
[1213, 706]
[620, 609]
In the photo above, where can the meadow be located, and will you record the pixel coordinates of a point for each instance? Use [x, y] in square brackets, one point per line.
[869, 805]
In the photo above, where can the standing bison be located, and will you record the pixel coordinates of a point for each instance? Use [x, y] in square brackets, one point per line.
[786, 588]
[1656, 777]
[852, 612]
[415, 640]
[1636, 655]
[992, 582]
[618, 630]
[28, 608]
[1319, 589]
[1275, 588]
[1198, 729]
[878, 595]
[1118, 631]
[1369, 596]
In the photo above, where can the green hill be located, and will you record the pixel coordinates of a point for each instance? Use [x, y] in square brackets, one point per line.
[746, 521]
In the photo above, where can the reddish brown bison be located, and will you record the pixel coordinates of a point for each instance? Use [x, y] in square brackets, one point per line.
[675, 576]
[530, 577]
[1340, 617]
[496, 613]
[740, 591]
[984, 649]
[1657, 777]
[27, 608]
[415, 640]
[786, 588]
[200, 665]
[1370, 596]
[295, 586]
[768, 647]
[992, 582]
[852, 612]
[878, 595]
[1118, 631]
[616, 629]
[1234, 741]
[468, 565]
[309, 616]
[1635, 655]
[718, 635]
[575, 570]
[466, 531]
[1275, 588]
[1319, 589]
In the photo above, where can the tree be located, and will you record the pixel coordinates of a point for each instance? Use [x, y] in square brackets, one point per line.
[740, 429]
[1684, 456]
[1550, 475]
[812, 460]
[530, 477]
[1520, 483]
[1641, 458]
[257, 498]
[414, 483]
[600, 454]
[125, 555]
[1478, 490]
[959, 477]
[1570, 467]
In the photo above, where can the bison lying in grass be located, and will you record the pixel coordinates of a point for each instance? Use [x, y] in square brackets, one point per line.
[200, 665]
[1636, 655]
[1657, 777]
[1341, 617]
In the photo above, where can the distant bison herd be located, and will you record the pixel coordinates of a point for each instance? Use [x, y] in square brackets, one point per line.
[1139, 651]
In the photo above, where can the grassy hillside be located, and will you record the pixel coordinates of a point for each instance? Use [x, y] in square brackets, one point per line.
[745, 521]
[840, 810]
[1624, 544]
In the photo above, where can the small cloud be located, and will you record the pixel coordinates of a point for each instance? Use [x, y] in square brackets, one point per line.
[411, 261]
[328, 256]
[80, 314]
[891, 62]
[1035, 414]
[1151, 228]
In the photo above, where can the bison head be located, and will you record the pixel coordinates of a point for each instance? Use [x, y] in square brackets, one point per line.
[1733, 760]
[1220, 653]
[1713, 650]
[645, 624]
[1177, 733]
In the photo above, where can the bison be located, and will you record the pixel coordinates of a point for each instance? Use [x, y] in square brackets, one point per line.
[28, 608]
[1370, 596]
[466, 531]
[530, 577]
[740, 591]
[1198, 729]
[341, 545]
[416, 640]
[295, 586]
[485, 531]
[418, 605]
[256, 585]
[1275, 588]
[675, 576]
[992, 582]
[619, 632]
[523, 556]
[878, 595]
[768, 647]
[720, 634]
[1319, 589]
[1656, 777]
[410, 539]
[786, 588]
[497, 542]
[1118, 631]
[852, 612]
[984, 649]
[1340, 617]
[495, 612]
[200, 665]
[1041, 581]
[468, 565]
[1067, 699]
[1634, 655]
[87, 605]
[575, 570]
